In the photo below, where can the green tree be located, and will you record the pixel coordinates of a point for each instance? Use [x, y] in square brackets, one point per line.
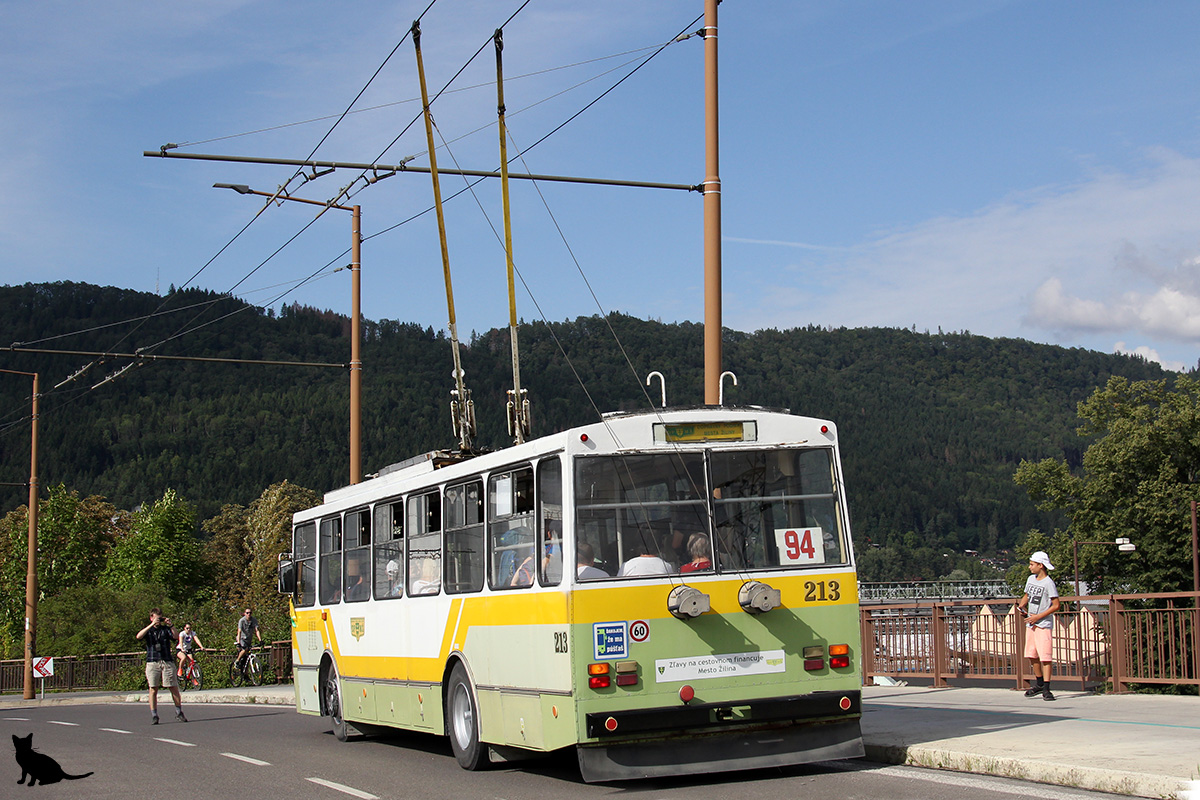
[1137, 479]
[160, 549]
[74, 537]
[244, 548]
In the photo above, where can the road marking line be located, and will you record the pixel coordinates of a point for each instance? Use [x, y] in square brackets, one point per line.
[174, 741]
[344, 789]
[114, 730]
[56, 722]
[16, 719]
[248, 759]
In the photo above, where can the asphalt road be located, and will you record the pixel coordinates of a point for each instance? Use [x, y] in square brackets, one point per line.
[269, 752]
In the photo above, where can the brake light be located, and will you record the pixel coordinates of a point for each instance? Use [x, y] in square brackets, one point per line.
[627, 673]
[598, 677]
[812, 664]
[839, 655]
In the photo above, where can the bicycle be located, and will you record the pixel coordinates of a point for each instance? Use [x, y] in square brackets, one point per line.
[248, 669]
[192, 675]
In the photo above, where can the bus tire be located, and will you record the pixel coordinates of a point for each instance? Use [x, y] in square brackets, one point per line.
[333, 704]
[462, 721]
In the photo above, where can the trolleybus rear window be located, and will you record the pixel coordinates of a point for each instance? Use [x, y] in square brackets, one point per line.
[776, 508]
[642, 515]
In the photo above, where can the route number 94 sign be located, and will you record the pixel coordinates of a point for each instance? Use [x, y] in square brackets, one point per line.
[800, 545]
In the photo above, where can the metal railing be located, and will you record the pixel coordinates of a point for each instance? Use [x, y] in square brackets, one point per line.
[1098, 639]
[890, 591]
[74, 673]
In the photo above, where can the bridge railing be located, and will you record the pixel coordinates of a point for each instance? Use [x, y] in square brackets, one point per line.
[74, 673]
[1150, 639]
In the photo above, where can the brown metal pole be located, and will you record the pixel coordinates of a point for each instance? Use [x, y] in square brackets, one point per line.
[31, 587]
[355, 357]
[712, 213]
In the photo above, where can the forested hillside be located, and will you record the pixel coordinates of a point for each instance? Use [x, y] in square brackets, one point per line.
[932, 424]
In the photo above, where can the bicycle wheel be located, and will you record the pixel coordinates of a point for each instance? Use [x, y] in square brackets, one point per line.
[237, 673]
[253, 670]
[197, 679]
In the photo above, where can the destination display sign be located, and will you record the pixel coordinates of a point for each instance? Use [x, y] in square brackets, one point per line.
[682, 432]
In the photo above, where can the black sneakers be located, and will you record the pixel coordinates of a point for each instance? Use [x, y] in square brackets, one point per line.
[154, 719]
[1046, 695]
[179, 714]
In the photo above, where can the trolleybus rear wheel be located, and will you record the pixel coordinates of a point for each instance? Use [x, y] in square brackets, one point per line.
[333, 704]
[464, 721]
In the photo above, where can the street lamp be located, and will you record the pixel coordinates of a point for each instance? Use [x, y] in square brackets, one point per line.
[355, 316]
[31, 589]
[1123, 544]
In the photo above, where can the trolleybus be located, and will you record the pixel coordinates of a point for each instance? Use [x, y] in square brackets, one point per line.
[669, 592]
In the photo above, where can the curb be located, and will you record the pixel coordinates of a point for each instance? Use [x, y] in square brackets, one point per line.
[1092, 778]
[273, 697]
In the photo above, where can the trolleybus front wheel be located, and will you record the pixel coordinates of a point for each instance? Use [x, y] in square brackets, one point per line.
[333, 704]
[463, 721]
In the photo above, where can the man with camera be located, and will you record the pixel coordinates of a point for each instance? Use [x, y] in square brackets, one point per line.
[160, 638]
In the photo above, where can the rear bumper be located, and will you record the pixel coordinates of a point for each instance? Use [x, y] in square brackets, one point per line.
[722, 751]
[699, 717]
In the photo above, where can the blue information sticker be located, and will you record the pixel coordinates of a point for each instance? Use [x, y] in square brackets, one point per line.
[612, 639]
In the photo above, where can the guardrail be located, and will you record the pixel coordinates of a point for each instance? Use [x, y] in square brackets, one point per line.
[1151, 639]
[73, 673]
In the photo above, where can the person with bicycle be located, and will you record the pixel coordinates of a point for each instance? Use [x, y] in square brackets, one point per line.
[247, 626]
[188, 642]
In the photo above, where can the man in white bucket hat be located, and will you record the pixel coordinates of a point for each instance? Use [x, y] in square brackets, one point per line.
[1039, 604]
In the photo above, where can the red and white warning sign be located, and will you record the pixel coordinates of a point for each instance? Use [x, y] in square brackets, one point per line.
[43, 667]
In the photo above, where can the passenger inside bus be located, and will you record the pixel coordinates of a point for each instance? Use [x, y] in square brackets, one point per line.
[356, 587]
[393, 578]
[585, 563]
[429, 581]
[700, 551]
[523, 575]
[643, 562]
[552, 557]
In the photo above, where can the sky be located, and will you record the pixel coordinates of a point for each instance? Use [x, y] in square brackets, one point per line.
[1010, 168]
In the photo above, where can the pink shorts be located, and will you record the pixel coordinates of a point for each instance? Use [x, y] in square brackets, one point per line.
[1039, 643]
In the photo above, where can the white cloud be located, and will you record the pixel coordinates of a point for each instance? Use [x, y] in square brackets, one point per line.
[1150, 354]
[1114, 252]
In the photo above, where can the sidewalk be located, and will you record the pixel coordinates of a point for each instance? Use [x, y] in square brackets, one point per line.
[1143, 745]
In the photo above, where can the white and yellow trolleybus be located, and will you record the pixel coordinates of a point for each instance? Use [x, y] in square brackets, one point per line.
[670, 592]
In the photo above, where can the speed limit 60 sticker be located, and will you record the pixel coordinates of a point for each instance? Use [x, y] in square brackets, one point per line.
[639, 630]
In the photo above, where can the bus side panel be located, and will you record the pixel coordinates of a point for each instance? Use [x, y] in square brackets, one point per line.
[516, 648]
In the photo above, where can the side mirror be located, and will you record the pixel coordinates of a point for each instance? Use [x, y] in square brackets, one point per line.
[287, 574]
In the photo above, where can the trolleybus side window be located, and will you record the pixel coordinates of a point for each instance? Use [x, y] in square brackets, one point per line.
[777, 508]
[389, 549]
[550, 515]
[638, 512]
[511, 524]
[304, 551]
[464, 560]
[424, 543]
[330, 541]
[358, 556]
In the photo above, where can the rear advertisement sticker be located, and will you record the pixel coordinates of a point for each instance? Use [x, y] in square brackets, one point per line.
[727, 665]
[611, 640]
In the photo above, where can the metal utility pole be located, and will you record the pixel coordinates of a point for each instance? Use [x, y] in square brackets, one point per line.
[31, 585]
[712, 213]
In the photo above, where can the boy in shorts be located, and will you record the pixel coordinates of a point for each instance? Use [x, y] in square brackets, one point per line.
[1039, 604]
